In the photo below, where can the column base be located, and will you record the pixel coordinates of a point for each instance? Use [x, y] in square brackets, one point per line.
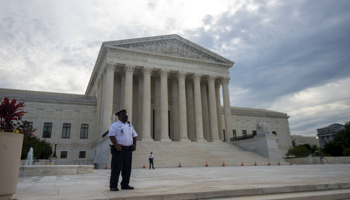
[146, 140]
[165, 140]
[185, 140]
[216, 140]
[201, 140]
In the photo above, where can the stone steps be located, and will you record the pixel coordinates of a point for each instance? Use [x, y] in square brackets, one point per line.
[196, 154]
[292, 192]
[313, 195]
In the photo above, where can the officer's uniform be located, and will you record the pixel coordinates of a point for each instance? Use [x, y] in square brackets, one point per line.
[121, 160]
[151, 157]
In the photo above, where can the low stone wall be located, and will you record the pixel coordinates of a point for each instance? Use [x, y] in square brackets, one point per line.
[53, 170]
[41, 162]
[318, 160]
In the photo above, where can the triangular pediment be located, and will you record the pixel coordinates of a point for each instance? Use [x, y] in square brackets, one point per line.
[172, 45]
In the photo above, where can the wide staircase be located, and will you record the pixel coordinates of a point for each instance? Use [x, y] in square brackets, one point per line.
[197, 154]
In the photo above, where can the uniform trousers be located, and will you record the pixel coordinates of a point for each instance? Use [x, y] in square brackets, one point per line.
[121, 161]
[151, 162]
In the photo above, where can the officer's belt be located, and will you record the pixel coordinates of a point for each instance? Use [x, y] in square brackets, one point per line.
[128, 147]
[123, 147]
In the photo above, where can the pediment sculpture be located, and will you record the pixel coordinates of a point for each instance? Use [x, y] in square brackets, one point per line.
[171, 47]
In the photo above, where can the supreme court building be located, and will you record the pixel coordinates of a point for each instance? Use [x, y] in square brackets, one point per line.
[171, 89]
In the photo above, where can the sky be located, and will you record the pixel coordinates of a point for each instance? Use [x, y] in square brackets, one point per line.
[290, 56]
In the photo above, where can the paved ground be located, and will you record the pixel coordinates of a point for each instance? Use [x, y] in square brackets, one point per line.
[190, 183]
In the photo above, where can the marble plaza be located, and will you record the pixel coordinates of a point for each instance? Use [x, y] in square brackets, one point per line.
[302, 182]
[171, 88]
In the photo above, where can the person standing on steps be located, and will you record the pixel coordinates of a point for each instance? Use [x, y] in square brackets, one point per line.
[123, 138]
[150, 158]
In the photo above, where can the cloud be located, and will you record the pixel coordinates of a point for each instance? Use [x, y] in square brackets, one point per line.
[283, 50]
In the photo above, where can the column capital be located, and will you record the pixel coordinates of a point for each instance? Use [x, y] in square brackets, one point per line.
[197, 77]
[147, 71]
[164, 73]
[225, 80]
[129, 68]
[110, 66]
[217, 84]
[211, 79]
[181, 74]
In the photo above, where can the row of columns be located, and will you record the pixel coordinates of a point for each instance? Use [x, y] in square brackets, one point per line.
[105, 103]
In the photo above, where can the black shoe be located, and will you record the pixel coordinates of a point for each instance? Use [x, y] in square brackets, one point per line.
[128, 187]
[114, 189]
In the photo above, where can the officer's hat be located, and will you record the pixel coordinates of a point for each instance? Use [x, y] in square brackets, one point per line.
[121, 112]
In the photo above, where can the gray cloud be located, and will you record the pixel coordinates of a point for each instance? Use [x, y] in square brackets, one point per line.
[281, 48]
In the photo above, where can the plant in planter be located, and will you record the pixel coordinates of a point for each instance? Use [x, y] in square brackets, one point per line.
[12, 129]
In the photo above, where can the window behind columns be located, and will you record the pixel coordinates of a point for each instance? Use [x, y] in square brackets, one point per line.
[234, 133]
[254, 133]
[244, 133]
[84, 131]
[223, 132]
[47, 130]
[66, 130]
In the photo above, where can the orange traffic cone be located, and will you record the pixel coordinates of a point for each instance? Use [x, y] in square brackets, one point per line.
[223, 164]
[269, 163]
[279, 163]
[106, 166]
[206, 164]
[242, 163]
[255, 163]
[144, 165]
[179, 164]
[291, 163]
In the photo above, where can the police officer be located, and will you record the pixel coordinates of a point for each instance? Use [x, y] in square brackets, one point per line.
[123, 138]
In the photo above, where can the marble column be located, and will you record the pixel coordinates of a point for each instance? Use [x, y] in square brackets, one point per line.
[198, 108]
[157, 113]
[204, 97]
[213, 117]
[129, 70]
[218, 108]
[108, 97]
[191, 131]
[122, 90]
[175, 109]
[164, 116]
[227, 108]
[182, 107]
[146, 117]
[99, 108]
[140, 106]
[116, 94]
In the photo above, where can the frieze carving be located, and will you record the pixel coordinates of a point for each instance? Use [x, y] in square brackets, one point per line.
[136, 56]
[171, 47]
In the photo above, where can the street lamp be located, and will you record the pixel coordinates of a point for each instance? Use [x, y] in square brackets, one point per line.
[54, 153]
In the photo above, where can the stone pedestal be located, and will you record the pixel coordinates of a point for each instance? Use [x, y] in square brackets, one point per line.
[264, 144]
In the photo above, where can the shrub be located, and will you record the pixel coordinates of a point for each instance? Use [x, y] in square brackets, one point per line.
[42, 148]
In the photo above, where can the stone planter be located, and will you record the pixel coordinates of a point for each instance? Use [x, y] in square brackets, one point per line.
[10, 156]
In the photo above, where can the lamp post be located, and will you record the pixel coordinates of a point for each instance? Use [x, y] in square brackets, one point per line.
[54, 153]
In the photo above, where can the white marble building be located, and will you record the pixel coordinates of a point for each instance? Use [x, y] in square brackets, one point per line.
[171, 89]
[299, 140]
